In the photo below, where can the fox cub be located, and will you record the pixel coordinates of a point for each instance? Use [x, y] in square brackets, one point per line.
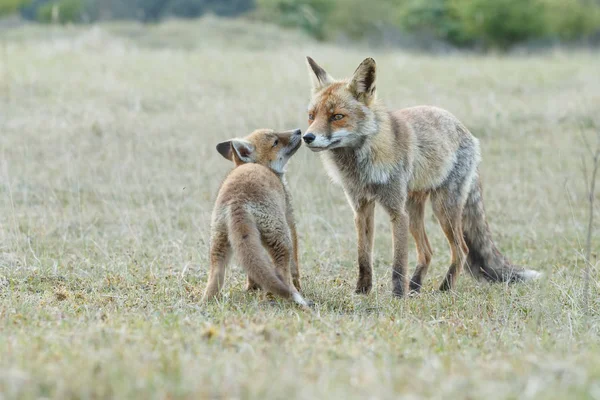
[253, 216]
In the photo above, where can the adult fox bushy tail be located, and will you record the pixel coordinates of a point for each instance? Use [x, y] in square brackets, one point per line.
[253, 217]
[484, 259]
[401, 159]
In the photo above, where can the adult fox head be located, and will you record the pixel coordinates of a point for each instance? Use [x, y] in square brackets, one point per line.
[263, 146]
[339, 113]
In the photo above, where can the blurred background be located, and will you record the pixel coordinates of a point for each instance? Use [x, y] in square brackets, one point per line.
[428, 24]
[109, 114]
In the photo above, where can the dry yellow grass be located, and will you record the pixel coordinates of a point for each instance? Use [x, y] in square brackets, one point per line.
[107, 175]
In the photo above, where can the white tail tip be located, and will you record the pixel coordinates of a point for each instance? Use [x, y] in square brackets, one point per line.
[298, 299]
[530, 275]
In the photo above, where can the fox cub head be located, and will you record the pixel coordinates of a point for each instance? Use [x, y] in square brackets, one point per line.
[263, 146]
[340, 113]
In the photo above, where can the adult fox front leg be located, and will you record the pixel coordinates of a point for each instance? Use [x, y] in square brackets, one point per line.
[364, 220]
[400, 157]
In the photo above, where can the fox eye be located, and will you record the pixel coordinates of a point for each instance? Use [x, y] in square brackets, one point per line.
[311, 117]
[337, 117]
[276, 142]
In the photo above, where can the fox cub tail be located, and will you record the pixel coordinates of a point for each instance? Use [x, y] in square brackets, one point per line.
[246, 241]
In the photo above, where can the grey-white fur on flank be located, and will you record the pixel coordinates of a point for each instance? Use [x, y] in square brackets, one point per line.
[459, 178]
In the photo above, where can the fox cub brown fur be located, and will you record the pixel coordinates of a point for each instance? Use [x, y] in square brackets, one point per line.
[253, 216]
[400, 159]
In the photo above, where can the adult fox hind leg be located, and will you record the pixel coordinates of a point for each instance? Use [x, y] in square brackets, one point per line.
[220, 253]
[415, 206]
[448, 209]
[364, 217]
[448, 205]
[449, 202]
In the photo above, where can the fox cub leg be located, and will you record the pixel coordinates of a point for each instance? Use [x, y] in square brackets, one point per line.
[449, 215]
[415, 206]
[364, 217]
[283, 249]
[295, 266]
[220, 253]
[278, 243]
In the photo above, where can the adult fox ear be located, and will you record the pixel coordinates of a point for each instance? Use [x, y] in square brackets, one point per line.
[243, 151]
[362, 84]
[224, 149]
[319, 77]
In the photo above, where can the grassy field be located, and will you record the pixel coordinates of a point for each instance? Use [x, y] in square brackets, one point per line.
[107, 176]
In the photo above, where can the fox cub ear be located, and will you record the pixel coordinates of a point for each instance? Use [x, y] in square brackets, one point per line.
[319, 77]
[237, 150]
[244, 150]
[362, 84]
[224, 149]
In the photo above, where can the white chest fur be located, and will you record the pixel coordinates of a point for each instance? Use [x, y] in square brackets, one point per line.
[361, 169]
[331, 167]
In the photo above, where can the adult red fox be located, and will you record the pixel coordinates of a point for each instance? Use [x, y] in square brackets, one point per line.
[253, 216]
[399, 159]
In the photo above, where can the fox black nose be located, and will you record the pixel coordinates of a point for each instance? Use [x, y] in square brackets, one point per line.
[297, 132]
[309, 138]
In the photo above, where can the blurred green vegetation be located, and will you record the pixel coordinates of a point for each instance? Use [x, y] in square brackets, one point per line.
[11, 6]
[462, 23]
[78, 11]
[481, 24]
[61, 11]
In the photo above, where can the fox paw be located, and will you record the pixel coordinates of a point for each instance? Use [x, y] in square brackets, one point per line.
[415, 286]
[446, 286]
[363, 286]
[400, 290]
